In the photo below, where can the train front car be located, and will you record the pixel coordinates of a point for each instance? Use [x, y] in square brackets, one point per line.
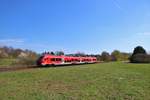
[44, 60]
[39, 61]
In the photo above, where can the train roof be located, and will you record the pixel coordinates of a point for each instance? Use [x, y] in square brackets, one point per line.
[63, 56]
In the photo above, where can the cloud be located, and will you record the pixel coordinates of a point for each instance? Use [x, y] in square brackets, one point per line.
[144, 34]
[11, 42]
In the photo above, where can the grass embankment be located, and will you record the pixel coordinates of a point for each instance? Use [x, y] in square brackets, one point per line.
[113, 81]
[9, 62]
[6, 62]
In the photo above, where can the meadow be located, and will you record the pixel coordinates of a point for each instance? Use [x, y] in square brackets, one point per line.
[101, 81]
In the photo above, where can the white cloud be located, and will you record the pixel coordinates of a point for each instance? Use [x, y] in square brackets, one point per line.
[11, 42]
[144, 34]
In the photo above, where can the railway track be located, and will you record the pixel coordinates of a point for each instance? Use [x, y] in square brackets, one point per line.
[15, 68]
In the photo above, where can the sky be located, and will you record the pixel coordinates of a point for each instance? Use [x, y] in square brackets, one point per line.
[89, 26]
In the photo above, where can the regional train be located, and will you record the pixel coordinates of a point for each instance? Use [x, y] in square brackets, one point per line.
[48, 59]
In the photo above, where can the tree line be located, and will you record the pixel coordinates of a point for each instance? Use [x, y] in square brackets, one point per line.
[29, 57]
[21, 57]
[116, 55]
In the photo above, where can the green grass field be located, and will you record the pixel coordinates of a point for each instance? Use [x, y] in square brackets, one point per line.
[103, 81]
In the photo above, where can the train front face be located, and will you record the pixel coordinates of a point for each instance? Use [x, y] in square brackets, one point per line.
[39, 61]
[43, 61]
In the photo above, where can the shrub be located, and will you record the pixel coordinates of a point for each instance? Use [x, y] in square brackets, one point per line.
[105, 56]
[25, 61]
[139, 55]
[140, 58]
[28, 58]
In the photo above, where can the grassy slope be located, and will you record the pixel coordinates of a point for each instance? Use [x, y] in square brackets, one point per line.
[114, 81]
[6, 62]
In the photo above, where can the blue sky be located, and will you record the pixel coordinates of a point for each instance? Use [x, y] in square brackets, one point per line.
[89, 26]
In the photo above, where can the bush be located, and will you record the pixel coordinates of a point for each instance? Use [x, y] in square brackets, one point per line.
[25, 61]
[139, 55]
[105, 56]
[140, 58]
[28, 58]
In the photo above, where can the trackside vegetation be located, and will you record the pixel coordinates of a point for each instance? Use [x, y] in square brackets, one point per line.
[140, 55]
[12, 56]
[102, 81]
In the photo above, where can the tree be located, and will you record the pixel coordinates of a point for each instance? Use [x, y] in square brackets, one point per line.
[140, 58]
[59, 53]
[15, 53]
[116, 55]
[78, 54]
[98, 57]
[105, 56]
[3, 52]
[139, 55]
[21, 57]
[139, 50]
[27, 57]
[119, 56]
[52, 53]
[125, 56]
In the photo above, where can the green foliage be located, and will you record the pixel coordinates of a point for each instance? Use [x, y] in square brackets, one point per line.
[52, 53]
[29, 59]
[116, 55]
[105, 56]
[139, 50]
[22, 57]
[25, 61]
[98, 57]
[119, 56]
[59, 53]
[104, 81]
[80, 54]
[140, 56]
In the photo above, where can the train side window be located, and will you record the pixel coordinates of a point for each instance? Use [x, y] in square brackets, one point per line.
[52, 59]
[58, 59]
[46, 59]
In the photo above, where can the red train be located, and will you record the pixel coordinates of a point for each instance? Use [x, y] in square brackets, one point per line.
[48, 59]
